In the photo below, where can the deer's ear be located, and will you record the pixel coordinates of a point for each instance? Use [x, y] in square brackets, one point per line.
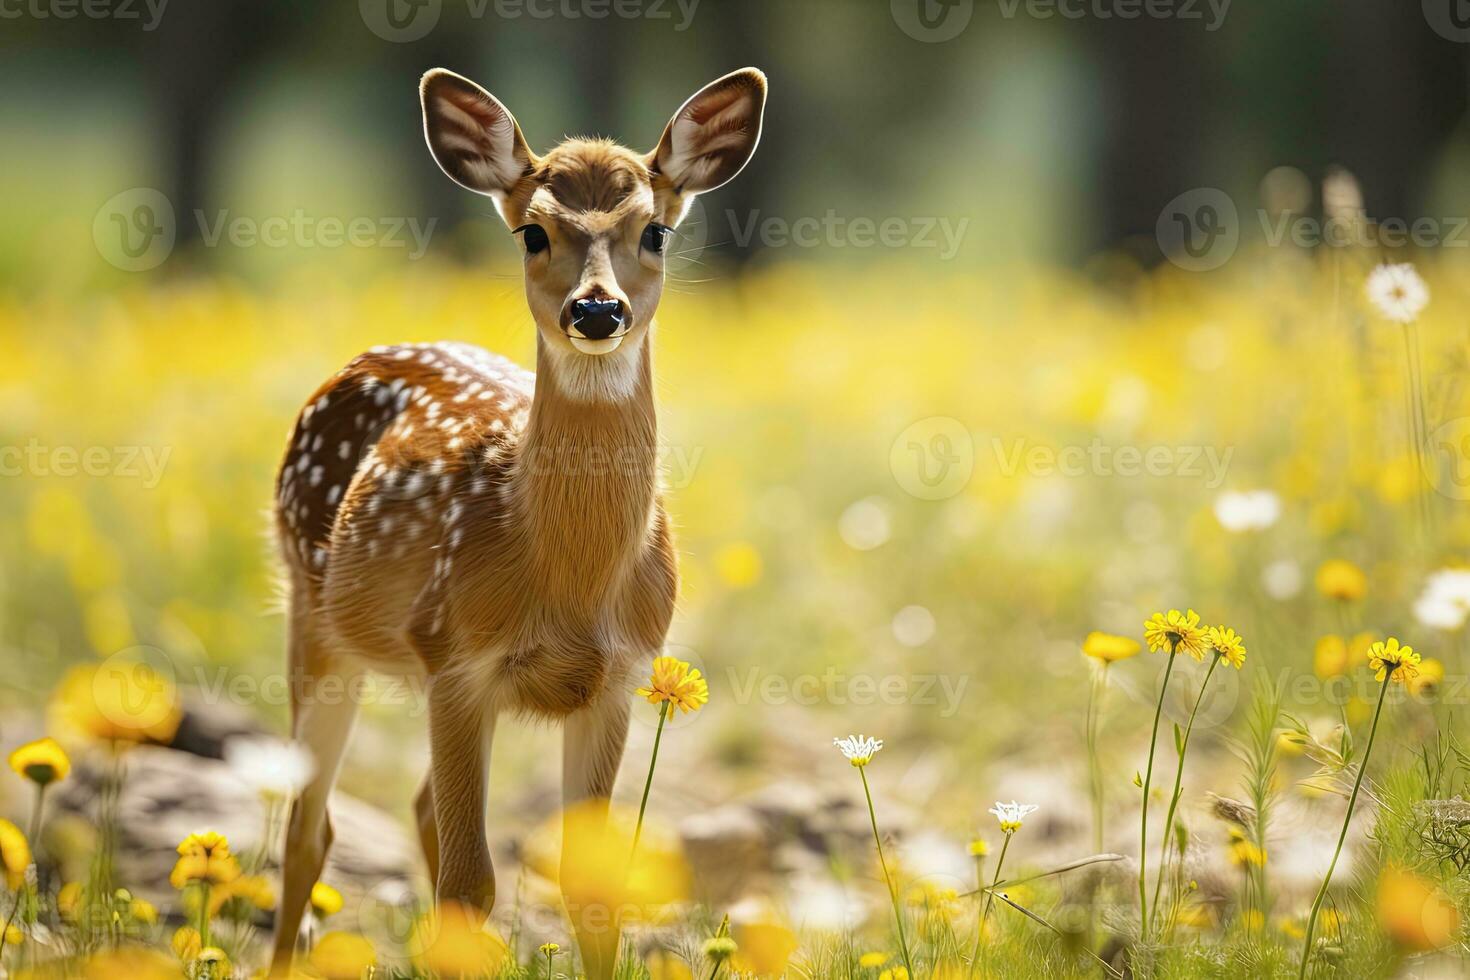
[714, 134]
[474, 139]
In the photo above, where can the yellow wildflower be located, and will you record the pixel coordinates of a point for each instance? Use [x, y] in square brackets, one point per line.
[254, 889]
[1393, 662]
[979, 847]
[1244, 852]
[664, 965]
[15, 854]
[1176, 632]
[870, 961]
[1414, 912]
[119, 701]
[1342, 580]
[132, 962]
[894, 973]
[143, 911]
[1426, 682]
[206, 857]
[764, 948]
[212, 962]
[1109, 648]
[1227, 644]
[186, 943]
[1195, 915]
[42, 762]
[454, 941]
[325, 900]
[1330, 657]
[676, 682]
[343, 956]
[69, 900]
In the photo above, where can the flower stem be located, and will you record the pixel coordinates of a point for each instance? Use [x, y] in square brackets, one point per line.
[663, 713]
[1178, 778]
[1346, 820]
[1148, 776]
[35, 834]
[204, 915]
[903, 942]
[1094, 711]
[5, 930]
[989, 898]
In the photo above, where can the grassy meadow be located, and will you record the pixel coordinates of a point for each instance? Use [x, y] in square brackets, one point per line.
[907, 522]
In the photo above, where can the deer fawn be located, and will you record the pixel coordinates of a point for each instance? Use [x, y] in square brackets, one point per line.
[443, 513]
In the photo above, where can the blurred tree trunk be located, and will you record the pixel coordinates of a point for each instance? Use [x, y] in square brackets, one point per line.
[195, 58]
[1394, 92]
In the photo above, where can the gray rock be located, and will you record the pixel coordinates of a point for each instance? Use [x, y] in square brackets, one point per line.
[168, 795]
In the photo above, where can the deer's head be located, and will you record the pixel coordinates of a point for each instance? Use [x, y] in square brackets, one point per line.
[593, 217]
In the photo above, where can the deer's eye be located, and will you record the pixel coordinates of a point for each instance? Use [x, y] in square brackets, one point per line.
[533, 237]
[655, 236]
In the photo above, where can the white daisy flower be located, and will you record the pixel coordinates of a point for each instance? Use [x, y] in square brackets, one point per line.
[1398, 292]
[858, 748]
[1250, 510]
[1445, 602]
[268, 765]
[1012, 814]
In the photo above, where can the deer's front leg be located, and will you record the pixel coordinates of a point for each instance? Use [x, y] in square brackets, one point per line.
[460, 730]
[592, 748]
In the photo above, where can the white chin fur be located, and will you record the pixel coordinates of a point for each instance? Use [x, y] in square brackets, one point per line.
[589, 346]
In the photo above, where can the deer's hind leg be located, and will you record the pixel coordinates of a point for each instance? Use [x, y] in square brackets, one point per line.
[323, 709]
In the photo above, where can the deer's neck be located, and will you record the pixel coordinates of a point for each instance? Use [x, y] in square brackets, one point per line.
[586, 481]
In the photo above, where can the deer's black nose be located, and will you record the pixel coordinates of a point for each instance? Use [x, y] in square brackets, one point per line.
[598, 319]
